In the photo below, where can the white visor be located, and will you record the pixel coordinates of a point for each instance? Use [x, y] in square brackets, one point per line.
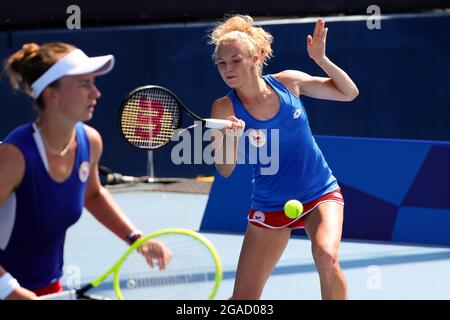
[74, 63]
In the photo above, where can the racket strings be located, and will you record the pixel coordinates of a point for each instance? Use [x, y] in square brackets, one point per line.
[190, 274]
[149, 118]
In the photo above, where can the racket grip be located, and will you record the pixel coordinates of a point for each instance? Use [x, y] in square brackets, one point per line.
[216, 123]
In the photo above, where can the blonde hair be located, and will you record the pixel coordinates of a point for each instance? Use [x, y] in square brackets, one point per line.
[242, 27]
[26, 65]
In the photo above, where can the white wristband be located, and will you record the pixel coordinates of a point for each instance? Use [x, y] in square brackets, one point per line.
[7, 285]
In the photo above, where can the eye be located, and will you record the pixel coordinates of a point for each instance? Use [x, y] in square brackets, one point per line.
[87, 84]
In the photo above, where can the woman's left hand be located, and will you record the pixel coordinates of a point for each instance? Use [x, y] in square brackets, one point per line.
[316, 44]
[156, 253]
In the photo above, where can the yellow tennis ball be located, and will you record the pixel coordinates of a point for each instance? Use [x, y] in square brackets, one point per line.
[293, 209]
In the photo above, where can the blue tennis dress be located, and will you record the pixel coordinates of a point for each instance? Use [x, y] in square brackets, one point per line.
[287, 163]
[40, 210]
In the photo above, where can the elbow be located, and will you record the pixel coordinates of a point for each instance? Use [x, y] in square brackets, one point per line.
[224, 174]
[355, 93]
[224, 171]
[352, 96]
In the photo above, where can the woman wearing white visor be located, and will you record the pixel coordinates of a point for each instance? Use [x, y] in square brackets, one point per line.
[49, 169]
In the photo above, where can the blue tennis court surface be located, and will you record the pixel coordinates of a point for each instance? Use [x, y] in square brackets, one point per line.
[373, 270]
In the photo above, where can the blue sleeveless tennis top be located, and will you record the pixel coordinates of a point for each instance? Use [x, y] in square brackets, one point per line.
[287, 163]
[42, 211]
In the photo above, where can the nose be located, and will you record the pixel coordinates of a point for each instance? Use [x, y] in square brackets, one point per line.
[95, 93]
[225, 67]
[228, 67]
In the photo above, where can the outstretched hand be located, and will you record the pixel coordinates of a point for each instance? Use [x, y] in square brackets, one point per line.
[156, 254]
[316, 44]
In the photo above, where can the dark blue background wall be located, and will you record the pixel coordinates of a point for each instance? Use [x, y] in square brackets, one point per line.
[102, 12]
[394, 190]
[401, 70]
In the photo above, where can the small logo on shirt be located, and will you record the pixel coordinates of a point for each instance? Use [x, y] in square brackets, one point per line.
[83, 173]
[297, 114]
[257, 138]
[259, 216]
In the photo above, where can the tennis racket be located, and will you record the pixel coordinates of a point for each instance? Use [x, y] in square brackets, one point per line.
[150, 115]
[194, 271]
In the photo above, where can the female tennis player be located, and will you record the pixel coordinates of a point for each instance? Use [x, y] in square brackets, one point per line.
[264, 103]
[49, 170]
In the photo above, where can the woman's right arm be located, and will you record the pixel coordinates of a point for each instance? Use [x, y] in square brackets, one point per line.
[225, 141]
[12, 167]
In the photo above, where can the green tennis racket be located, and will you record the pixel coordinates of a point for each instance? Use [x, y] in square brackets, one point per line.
[193, 272]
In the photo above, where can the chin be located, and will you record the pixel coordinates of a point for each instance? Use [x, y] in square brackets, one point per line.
[232, 84]
[87, 117]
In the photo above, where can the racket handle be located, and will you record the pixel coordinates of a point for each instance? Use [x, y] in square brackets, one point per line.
[216, 123]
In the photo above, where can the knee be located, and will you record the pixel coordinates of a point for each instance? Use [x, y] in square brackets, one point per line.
[326, 257]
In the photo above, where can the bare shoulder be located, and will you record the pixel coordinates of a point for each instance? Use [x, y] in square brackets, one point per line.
[95, 141]
[93, 135]
[10, 155]
[292, 77]
[12, 168]
[222, 108]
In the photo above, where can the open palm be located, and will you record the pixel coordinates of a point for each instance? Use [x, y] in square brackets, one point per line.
[316, 44]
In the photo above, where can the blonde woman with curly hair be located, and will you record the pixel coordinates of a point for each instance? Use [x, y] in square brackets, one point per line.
[263, 103]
